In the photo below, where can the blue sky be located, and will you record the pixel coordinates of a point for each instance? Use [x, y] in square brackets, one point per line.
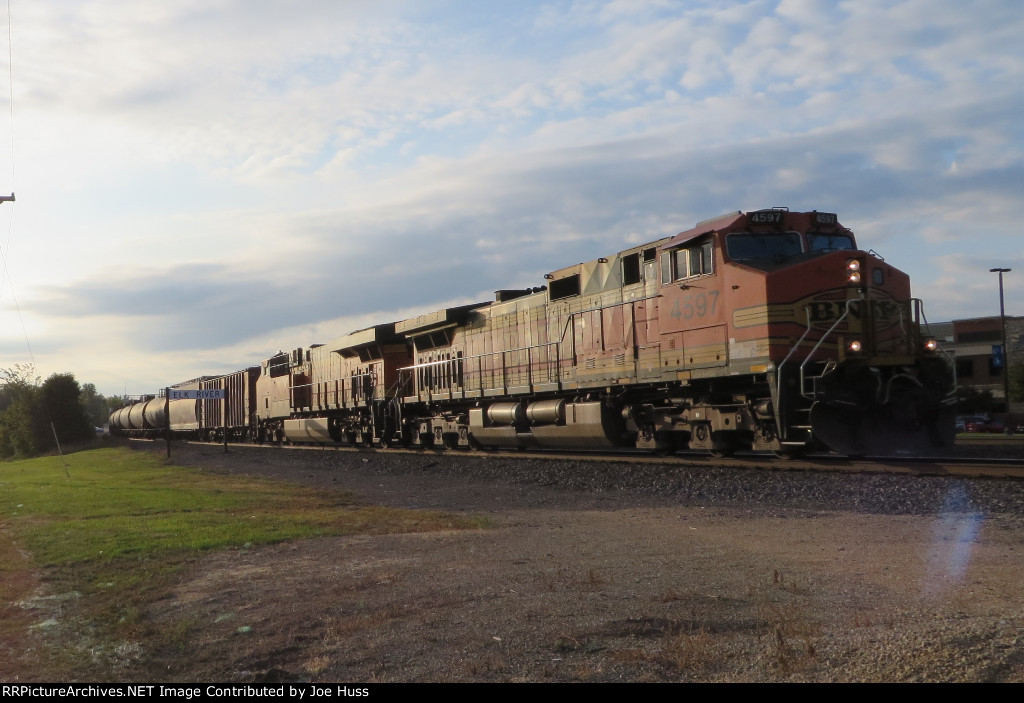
[202, 183]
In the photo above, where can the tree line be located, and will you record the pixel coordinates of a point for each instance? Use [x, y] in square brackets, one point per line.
[34, 414]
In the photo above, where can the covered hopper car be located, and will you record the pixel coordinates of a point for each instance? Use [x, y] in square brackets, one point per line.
[766, 330]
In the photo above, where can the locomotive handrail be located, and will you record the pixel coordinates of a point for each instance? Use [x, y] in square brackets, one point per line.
[821, 341]
[340, 392]
[612, 305]
[796, 346]
[480, 371]
[561, 339]
[476, 356]
[779, 426]
[951, 396]
[330, 380]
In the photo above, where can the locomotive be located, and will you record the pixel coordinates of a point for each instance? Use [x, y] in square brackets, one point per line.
[766, 330]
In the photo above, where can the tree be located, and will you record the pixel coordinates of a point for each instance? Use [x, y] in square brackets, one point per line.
[21, 422]
[31, 411]
[971, 401]
[61, 401]
[95, 405]
[1017, 382]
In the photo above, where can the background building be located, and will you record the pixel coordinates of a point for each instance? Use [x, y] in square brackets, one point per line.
[980, 369]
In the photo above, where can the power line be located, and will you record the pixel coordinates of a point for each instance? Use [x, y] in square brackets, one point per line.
[10, 198]
[10, 79]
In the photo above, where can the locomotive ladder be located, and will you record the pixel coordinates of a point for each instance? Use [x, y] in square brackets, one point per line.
[821, 368]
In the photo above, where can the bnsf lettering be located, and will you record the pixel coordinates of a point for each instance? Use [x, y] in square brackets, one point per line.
[826, 310]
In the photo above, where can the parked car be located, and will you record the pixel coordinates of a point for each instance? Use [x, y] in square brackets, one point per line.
[990, 426]
[962, 420]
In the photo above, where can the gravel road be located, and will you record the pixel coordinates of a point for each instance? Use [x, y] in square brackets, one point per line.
[613, 572]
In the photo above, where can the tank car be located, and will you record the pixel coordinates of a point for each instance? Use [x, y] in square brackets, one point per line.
[206, 419]
[766, 330]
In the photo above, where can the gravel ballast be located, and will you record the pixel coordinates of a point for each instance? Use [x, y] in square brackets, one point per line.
[612, 571]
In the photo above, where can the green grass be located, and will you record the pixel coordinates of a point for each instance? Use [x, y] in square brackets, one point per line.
[120, 504]
[113, 524]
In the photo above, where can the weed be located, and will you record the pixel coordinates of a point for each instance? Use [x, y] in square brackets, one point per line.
[792, 646]
[316, 665]
[176, 636]
[689, 651]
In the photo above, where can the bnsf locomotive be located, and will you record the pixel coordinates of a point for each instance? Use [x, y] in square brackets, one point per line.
[766, 330]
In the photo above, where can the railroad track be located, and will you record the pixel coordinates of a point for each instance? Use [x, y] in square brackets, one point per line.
[963, 466]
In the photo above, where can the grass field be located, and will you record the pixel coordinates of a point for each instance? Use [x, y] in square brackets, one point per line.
[110, 525]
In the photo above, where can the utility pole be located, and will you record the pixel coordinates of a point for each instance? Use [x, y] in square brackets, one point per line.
[1006, 355]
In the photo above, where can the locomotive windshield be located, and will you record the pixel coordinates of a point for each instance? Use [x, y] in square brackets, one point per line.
[770, 245]
[829, 242]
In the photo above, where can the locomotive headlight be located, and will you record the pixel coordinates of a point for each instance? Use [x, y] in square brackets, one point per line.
[853, 271]
[931, 345]
[855, 346]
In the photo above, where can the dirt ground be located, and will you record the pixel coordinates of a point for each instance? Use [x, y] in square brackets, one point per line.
[576, 585]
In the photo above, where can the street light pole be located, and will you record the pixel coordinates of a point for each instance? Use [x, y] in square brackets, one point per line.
[1006, 352]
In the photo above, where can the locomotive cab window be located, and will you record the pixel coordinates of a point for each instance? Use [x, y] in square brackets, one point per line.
[688, 262]
[829, 242]
[679, 264]
[763, 245]
[701, 259]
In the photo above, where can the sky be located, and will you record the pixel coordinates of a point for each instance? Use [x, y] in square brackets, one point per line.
[202, 183]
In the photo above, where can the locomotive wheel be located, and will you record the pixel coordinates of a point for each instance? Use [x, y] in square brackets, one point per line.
[791, 453]
[724, 445]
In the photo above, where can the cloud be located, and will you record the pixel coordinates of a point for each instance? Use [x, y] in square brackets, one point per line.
[254, 171]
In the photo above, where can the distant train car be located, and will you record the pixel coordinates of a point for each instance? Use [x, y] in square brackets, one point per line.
[341, 392]
[767, 330]
[235, 413]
